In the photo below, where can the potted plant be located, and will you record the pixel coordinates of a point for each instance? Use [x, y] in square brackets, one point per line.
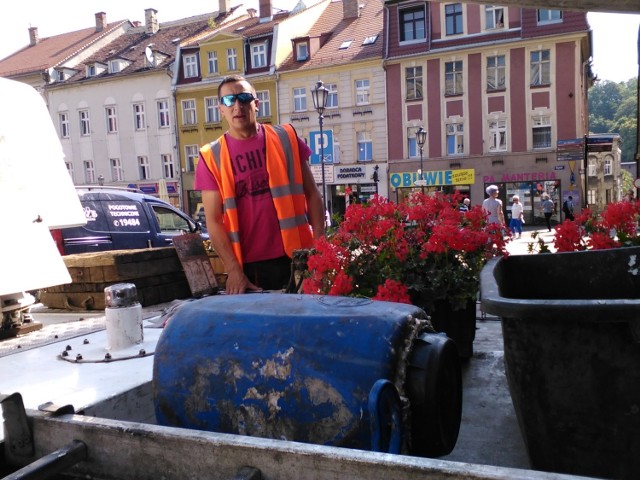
[571, 329]
[425, 252]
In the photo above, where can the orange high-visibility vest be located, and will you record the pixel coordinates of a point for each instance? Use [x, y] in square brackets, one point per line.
[285, 182]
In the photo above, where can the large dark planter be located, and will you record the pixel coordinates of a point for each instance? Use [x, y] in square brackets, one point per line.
[458, 324]
[571, 327]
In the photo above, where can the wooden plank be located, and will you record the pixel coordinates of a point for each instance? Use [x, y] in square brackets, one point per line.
[118, 257]
[126, 271]
[196, 264]
[77, 287]
[83, 301]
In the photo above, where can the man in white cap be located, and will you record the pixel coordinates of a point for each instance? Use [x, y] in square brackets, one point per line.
[493, 206]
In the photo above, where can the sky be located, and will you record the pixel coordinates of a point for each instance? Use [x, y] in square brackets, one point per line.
[615, 36]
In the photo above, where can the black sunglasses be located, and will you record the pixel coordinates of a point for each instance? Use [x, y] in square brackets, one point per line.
[243, 98]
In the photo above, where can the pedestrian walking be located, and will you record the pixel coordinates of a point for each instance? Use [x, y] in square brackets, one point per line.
[493, 206]
[517, 216]
[567, 208]
[548, 209]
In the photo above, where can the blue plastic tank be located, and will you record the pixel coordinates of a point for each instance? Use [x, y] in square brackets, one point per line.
[314, 369]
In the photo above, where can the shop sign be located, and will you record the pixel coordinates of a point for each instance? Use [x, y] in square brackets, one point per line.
[520, 177]
[433, 178]
[352, 172]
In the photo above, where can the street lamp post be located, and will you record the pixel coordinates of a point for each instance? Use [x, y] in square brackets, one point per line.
[421, 138]
[320, 95]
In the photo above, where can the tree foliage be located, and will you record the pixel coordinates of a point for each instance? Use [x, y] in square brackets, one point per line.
[613, 108]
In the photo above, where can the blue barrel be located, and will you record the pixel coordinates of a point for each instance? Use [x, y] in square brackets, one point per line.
[314, 369]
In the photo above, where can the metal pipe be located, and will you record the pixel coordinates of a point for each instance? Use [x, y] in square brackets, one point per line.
[53, 463]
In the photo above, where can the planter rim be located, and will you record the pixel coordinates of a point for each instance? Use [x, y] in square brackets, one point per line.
[587, 309]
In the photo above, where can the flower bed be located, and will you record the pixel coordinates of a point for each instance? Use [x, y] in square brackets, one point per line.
[419, 252]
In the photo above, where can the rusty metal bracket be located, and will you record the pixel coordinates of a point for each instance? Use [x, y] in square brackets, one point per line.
[57, 410]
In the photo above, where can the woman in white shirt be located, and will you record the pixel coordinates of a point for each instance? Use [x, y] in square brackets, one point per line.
[517, 212]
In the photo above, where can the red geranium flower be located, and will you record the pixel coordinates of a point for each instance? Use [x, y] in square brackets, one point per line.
[424, 248]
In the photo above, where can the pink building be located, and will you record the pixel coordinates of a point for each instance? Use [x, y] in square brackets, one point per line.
[495, 88]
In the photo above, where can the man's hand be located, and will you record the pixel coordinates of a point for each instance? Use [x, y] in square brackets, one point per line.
[237, 283]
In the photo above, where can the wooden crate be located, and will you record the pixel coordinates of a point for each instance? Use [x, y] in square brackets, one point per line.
[156, 272]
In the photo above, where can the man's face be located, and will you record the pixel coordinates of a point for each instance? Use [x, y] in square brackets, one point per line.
[241, 117]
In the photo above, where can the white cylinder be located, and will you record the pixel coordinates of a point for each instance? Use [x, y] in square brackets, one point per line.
[124, 326]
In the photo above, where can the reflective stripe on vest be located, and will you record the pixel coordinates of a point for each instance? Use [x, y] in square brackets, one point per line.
[285, 183]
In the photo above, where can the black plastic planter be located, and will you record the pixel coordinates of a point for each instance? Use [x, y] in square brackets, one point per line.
[571, 328]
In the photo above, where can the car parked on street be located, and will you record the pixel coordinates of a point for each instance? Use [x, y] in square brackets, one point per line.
[121, 219]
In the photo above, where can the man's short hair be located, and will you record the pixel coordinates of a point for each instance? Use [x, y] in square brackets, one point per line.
[231, 79]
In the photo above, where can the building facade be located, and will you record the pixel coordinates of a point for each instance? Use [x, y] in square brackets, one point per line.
[253, 46]
[115, 113]
[495, 88]
[500, 91]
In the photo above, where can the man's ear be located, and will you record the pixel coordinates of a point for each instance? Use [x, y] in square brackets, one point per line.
[257, 102]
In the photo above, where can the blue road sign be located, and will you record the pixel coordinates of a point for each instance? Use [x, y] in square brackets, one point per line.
[315, 145]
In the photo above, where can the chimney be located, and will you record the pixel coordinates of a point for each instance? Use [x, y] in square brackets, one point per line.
[33, 36]
[265, 10]
[151, 21]
[350, 9]
[101, 21]
[224, 6]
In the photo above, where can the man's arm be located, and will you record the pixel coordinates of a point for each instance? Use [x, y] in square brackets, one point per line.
[237, 282]
[314, 201]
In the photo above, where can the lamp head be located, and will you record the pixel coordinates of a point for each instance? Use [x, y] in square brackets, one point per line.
[320, 94]
[421, 137]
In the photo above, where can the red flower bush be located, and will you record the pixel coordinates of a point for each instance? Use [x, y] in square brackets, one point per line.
[616, 226]
[417, 252]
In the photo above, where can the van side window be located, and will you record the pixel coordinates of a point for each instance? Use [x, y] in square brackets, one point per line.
[169, 221]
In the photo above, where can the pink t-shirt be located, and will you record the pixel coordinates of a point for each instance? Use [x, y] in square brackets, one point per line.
[260, 237]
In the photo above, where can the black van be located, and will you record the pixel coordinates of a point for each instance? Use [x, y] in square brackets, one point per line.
[122, 219]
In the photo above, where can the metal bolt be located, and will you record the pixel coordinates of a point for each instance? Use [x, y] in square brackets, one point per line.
[79, 356]
[68, 347]
[107, 356]
[142, 352]
[65, 353]
[86, 341]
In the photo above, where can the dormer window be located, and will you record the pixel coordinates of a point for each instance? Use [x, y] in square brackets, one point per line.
[370, 40]
[62, 74]
[96, 68]
[259, 54]
[302, 51]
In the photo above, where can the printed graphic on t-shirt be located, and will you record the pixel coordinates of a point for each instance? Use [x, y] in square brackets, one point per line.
[251, 174]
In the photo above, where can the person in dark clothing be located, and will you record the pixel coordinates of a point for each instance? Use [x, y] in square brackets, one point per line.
[567, 208]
